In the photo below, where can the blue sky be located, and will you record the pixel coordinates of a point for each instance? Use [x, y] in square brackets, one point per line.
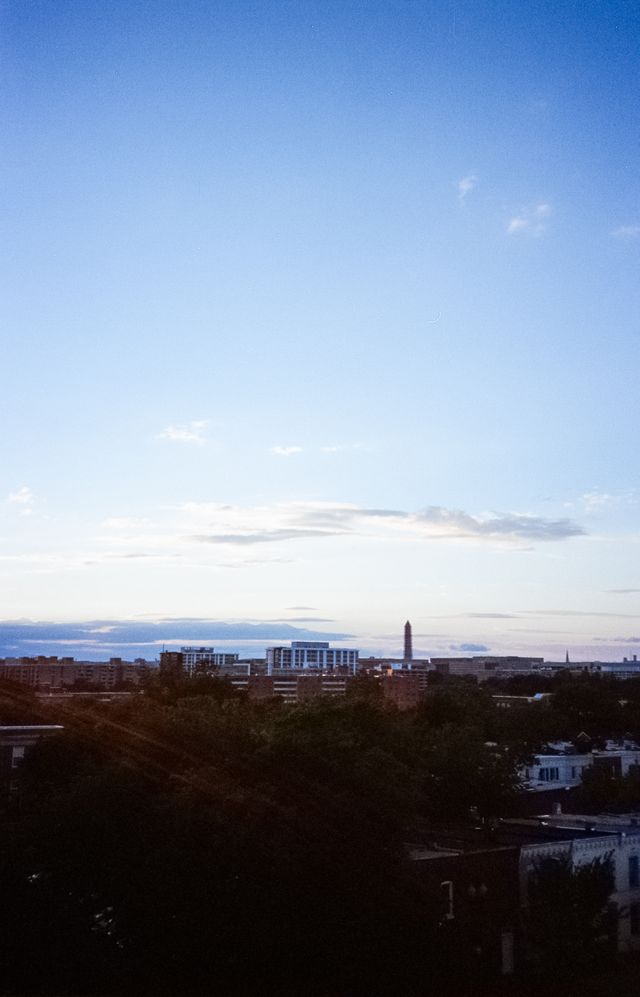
[325, 304]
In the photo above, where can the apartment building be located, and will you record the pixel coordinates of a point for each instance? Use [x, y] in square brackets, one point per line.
[49, 674]
[315, 655]
[197, 660]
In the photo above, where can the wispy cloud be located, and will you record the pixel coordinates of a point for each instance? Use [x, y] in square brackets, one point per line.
[125, 522]
[281, 451]
[191, 531]
[626, 232]
[455, 524]
[596, 500]
[259, 536]
[343, 448]
[301, 619]
[23, 499]
[311, 520]
[531, 221]
[575, 612]
[491, 616]
[189, 432]
[470, 648]
[622, 591]
[465, 186]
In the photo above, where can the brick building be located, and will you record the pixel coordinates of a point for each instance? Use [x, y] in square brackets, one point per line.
[50, 674]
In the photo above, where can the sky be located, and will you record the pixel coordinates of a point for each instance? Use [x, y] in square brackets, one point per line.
[320, 315]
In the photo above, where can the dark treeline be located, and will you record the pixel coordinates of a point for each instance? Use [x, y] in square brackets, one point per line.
[192, 842]
[599, 705]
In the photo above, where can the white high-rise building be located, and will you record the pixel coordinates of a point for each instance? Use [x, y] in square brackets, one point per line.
[203, 659]
[316, 655]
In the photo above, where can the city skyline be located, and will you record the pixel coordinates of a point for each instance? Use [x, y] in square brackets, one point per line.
[322, 316]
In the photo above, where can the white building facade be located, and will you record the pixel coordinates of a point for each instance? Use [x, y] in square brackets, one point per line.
[203, 659]
[624, 850]
[316, 655]
[563, 771]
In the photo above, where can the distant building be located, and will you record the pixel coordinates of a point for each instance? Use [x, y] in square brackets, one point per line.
[53, 674]
[171, 664]
[202, 660]
[313, 655]
[628, 668]
[403, 689]
[484, 666]
[294, 687]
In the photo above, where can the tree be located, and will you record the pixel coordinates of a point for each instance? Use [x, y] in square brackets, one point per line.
[462, 773]
[570, 923]
[457, 702]
[214, 846]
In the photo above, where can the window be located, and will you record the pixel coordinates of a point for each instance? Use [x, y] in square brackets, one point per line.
[634, 919]
[17, 756]
[446, 889]
[549, 774]
[634, 872]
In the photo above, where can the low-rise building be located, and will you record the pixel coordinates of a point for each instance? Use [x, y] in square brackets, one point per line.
[15, 743]
[400, 689]
[294, 687]
[483, 666]
[563, 770]
[472, 888]
[588, 838]
[483, 874]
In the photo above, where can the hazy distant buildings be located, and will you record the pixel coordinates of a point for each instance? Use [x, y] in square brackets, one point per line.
[316, 655]
[51, 674]
[484, 666]
[626, 669]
